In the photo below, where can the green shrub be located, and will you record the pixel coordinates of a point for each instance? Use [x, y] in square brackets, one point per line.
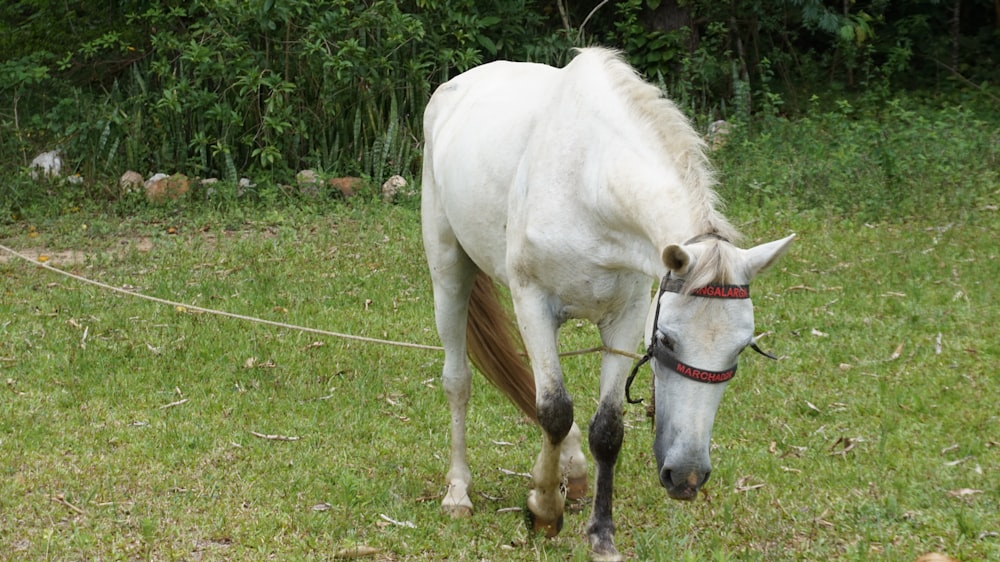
[260, 89]
[903, 159]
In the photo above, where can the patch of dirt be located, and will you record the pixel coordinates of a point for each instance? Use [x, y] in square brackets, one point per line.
[74, 257]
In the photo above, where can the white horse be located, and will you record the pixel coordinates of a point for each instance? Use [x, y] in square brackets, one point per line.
[577, 188]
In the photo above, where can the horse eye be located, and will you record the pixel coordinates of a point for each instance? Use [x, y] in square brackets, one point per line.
[667, 342]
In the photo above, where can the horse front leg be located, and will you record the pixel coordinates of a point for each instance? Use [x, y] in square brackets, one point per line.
[607, 429]
[547, 498]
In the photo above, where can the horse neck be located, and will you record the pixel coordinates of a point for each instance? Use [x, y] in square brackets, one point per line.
[657, 210]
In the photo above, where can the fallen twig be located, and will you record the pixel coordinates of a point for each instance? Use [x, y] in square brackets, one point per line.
[407, 524]
[61, 499]
[958, 462]
[512, 473]
[846, 444]
[275, 437]
[361, 551]
[743, 485]
[962, 492]
[172, 404]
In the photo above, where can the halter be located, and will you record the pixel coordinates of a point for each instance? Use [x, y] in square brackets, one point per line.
[666, 357]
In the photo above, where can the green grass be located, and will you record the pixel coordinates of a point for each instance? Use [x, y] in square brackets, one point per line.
[96, 466]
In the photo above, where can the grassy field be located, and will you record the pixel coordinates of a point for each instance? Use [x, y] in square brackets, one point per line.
[134, 430]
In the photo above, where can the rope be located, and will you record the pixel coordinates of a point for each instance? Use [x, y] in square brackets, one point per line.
[219, 312]
[203, 310]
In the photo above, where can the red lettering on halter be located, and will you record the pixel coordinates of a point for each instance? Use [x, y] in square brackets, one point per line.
[723, 291]
[704, 376]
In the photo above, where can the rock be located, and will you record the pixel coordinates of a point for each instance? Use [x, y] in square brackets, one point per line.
[391, 188]
[154, 178]
[718, 134]
[130, 182]
[308, 182]
[348, 186]
[244, 185]
[208, 186]
[162, 187]
[48, 163]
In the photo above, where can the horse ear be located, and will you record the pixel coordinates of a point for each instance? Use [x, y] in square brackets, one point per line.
[761, 257]
[677, 260]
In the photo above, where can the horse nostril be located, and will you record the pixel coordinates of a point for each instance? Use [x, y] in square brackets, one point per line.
[683, 485]
[665, 478]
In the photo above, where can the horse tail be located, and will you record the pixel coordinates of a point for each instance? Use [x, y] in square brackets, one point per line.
[495, 347]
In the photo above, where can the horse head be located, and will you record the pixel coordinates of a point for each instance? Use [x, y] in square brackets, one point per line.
[703, 321]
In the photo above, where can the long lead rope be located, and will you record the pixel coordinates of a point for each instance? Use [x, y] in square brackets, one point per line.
[183, 306]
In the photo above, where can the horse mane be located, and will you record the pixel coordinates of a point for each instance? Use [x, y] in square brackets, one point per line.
[714, 265]
[673, 130]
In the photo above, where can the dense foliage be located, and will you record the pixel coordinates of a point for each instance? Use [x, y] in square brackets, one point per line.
[264, 88]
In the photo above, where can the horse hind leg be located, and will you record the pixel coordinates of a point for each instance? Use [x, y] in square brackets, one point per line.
[456, 381]
[453, 275]
[574, 464]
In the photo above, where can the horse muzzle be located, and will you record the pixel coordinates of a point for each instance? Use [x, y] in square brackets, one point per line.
[683, 484]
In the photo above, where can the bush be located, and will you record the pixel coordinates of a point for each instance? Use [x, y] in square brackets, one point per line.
[906, 158]
[227, 89]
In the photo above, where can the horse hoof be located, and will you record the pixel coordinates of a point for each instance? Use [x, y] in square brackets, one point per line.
[576, 488]
[538, 525]
[603, 549]
[457, 511]
[456, 502]
[612, 556]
